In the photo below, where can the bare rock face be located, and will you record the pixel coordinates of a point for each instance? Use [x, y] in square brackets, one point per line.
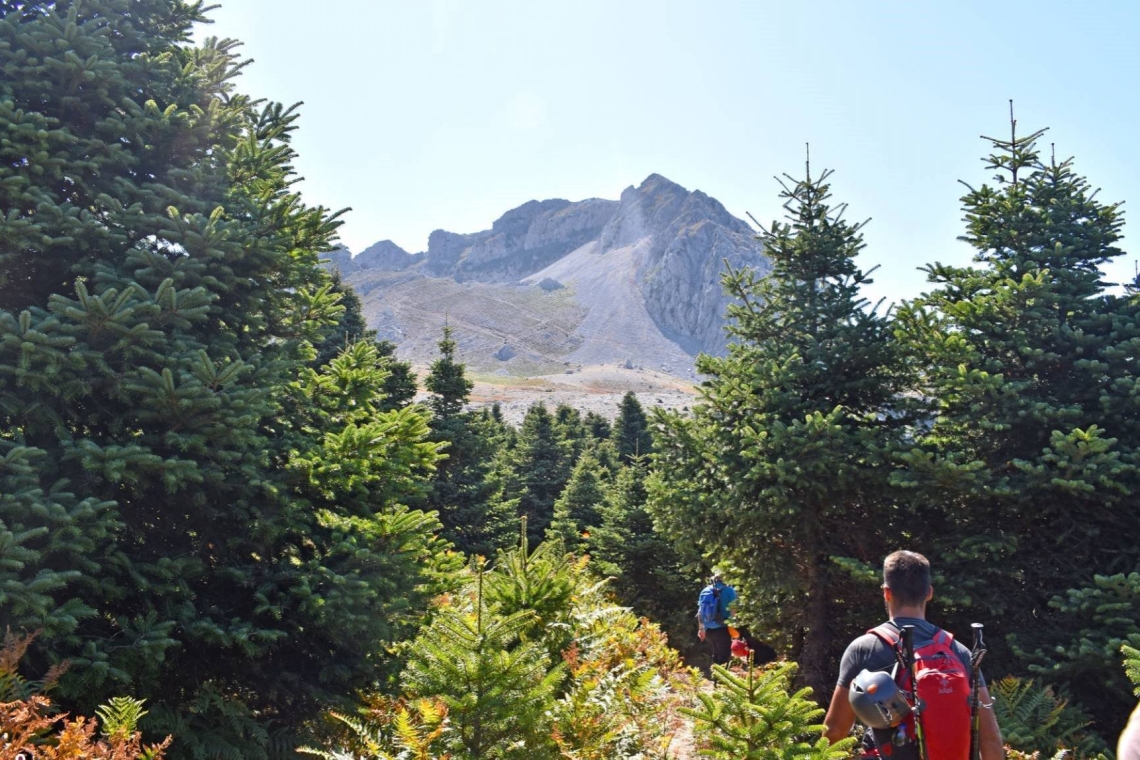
[683, 239]
[692, 236]
[340, 260]
[644, 211]
[549, 283]
[631, 282]
[521, 242]
[444, 251]
[386, 255]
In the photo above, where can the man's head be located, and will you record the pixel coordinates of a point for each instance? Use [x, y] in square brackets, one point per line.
[715, 579]
[906, 579]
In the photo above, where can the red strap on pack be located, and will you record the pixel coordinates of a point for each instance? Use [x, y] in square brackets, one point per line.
[890, 635]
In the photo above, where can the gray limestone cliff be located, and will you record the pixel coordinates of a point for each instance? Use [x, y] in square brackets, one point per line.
[635, 280]
[520, 242]
[690, 237]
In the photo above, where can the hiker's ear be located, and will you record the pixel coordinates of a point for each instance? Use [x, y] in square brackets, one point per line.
[886, 592]
[929, 593]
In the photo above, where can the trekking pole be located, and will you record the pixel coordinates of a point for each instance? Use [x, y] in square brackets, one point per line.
[908, 648]
[976, 655]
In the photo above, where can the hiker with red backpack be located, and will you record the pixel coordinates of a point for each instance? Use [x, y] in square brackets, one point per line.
[952, 717]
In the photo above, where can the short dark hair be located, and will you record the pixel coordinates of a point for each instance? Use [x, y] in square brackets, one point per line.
[907, 575]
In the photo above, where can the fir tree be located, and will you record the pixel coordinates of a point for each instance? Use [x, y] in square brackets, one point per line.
[1087, 628]
[1131, 657]
[597, 426]
[1032, 457]
[752, 716]
[447, 381]
[177, 526]
[400, 384]
[350, 326]
[463, 492]
[647, 569]
[571, 430]
[539, 467]
[576, 510]
[543, 582]
[631, 429]
[784, 464]
[496, 687]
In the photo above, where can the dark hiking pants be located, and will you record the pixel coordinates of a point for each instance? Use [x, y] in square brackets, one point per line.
[719, 644]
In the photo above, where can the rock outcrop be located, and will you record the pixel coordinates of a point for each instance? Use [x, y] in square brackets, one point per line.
[521, 242]
[386, 255]
[596, 281]
[691, 236]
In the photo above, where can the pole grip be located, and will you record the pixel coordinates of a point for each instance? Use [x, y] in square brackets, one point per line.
[979, 649]
[976, 655]
[908, 649]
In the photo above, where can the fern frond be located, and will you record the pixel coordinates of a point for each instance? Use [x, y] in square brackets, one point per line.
[120, 716]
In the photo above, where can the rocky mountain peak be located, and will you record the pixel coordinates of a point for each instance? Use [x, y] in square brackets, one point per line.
[634, 281]
[386, 255]
[660, 207]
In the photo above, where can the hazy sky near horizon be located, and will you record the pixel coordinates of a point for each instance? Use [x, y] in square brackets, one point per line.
[445, 114]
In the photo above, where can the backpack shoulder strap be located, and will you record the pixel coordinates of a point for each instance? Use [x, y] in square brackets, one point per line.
[892, 637]
[888, 634]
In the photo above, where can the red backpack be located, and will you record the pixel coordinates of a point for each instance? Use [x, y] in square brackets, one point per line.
[943, 687]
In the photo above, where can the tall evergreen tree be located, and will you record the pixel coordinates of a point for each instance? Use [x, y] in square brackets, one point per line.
[539, 469]
[571, 430]
[1030, 361]
[400, 386]
[598, 426]
[576, 511]
[631, 429]
[447, 382]
[783, 466]
[174, 523]
[463, 492]
[349, 327]
[647, 569]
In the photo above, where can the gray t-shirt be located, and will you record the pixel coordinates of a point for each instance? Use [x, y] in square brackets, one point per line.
[872, 653]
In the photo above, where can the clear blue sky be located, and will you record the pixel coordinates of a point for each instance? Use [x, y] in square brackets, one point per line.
[444, 113]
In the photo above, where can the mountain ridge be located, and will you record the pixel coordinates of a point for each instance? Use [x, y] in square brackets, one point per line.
[557, 283]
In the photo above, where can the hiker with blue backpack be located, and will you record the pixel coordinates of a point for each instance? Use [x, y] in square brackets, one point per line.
[713, 612]
[947, 714]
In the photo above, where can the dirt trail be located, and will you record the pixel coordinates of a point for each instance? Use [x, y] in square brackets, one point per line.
[684, 744]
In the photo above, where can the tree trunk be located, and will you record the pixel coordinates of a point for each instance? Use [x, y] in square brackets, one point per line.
[817, 635]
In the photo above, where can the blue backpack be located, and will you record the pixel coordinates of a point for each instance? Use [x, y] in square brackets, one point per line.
[708, 606]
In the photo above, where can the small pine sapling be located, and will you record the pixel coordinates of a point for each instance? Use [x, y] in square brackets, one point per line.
[751, 715]
[497, 687]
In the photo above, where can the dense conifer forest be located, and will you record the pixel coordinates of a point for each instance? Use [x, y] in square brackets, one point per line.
[228, 529]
